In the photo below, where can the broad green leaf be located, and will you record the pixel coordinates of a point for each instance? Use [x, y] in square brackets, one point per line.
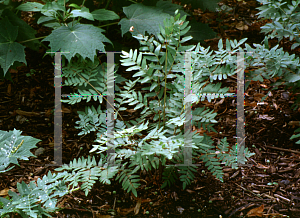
[84, 12]
[5, 2]
[82, 39]
[30, 6]
[102, 14]
[75, 6]
[142, 18]
[54, 6]
[51, 8]
[8, 32]
[52, 25]
[25, 31]
[169, 8]
[44, 19]
[10, 51]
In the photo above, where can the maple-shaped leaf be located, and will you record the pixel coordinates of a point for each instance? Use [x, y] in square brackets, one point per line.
[169, 8]
[26, 32]
[143, 18]
[200, 31]
[10, 51]
[210, 5]
[82, 39]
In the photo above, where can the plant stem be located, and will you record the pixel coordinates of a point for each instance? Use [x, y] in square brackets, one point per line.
[107, 4]
[33, 39]
[109, 24]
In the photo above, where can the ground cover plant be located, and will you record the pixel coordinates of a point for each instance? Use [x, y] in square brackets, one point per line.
[153, 143]
[165, 137]
[35, 199]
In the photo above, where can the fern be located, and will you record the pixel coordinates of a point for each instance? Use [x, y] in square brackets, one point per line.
[296, 136]
[140, 145]
[87, 171]
[35, 199]
[285, 18]
[89, 78]
[187, 175]
[169, 176]
[129, 180]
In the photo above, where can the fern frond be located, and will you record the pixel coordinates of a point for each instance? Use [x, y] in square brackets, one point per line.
[129, 181]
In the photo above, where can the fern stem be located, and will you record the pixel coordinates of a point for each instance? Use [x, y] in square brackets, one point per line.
[100, 94]
[165, 91]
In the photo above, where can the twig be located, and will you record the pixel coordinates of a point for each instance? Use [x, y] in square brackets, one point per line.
[283, 149]
[248, 190]
[282, 198]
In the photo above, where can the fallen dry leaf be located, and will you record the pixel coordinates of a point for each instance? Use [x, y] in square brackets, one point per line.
[124, 211]
[4, 192]
[103, 216]
[241, 26]
[137, 207]
[26, 113]
[256, 211]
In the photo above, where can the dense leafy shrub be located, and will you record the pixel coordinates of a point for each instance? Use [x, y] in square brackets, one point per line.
[160, 64]
[285, 17]
[35, 199]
